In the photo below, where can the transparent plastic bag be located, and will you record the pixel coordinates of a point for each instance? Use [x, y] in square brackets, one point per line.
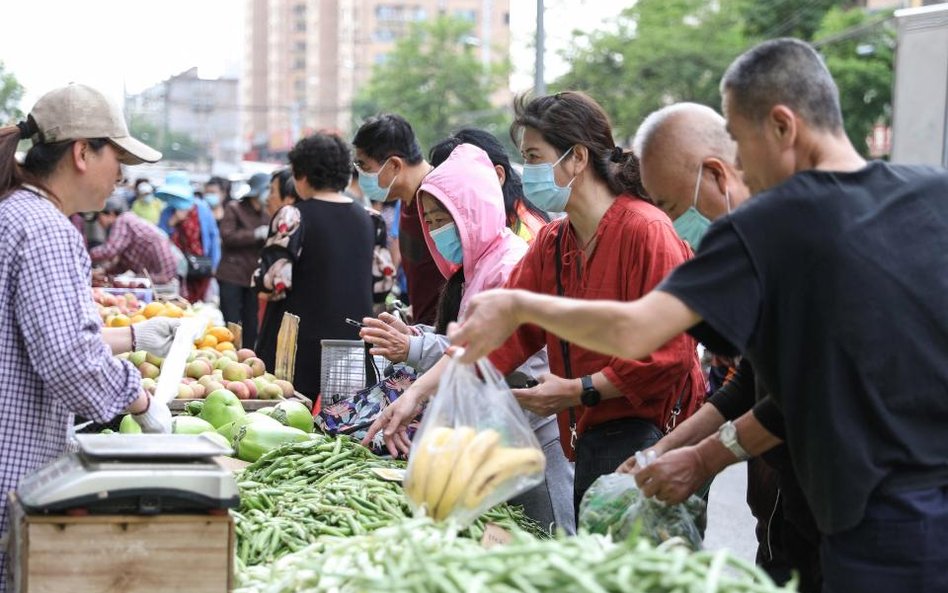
[615, 506]
[474, 448]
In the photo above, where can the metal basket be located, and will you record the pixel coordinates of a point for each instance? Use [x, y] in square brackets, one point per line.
[343, 370]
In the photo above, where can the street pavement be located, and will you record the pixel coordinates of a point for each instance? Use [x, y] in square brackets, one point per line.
[730, 523]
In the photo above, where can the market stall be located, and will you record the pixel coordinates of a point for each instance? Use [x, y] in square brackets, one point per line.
[252, 499]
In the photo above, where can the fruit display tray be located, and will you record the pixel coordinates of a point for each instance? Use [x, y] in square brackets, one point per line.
[250, 405]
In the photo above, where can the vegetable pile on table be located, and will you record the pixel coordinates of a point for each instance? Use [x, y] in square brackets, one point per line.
[300, 492]
[418, 556]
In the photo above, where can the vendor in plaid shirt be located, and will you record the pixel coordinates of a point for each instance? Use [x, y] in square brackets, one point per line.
[133, 244]
[55, 359]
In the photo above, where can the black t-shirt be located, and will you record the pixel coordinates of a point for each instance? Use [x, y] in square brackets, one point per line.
[743, 393]
[332, 280]
[835, 285]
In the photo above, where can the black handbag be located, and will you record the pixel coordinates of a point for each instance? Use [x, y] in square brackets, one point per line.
[199, 266]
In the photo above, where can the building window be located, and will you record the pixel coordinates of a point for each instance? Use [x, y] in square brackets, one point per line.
[299, 47]
[507, 18]
[384, 34]
[381, 59]
[467, 15]
[300, 26]
[299, 63]
[389, 12]
[299, 9]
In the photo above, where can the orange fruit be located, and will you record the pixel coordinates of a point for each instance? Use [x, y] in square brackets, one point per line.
[225, 346]
[172, 310]
[120, 320]
[153, 309]
[207, 341]
[138, 318]
[221, 333]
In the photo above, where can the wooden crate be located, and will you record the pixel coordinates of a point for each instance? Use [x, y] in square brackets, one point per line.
[120, 553]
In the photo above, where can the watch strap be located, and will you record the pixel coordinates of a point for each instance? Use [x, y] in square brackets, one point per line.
[727, 434]
[587, 382]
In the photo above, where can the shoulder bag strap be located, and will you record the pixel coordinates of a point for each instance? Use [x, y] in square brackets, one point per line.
[564, 345]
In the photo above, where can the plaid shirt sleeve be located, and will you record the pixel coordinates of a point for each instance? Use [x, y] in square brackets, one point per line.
[60, 327]
[120, 238]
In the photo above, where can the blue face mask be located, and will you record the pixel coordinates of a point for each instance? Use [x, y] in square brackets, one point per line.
[212, 199]
[539, 186]
[369, 182]
[448, 243]
[692, 225]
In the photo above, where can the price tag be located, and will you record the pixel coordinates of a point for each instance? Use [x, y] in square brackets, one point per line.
[389, 474]
[495, 535]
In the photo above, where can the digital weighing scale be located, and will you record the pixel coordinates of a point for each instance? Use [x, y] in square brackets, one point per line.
[135, 474]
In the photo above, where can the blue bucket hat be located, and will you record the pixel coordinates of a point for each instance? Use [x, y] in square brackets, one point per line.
[176, 191]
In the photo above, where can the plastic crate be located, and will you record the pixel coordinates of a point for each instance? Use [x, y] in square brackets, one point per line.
[343, 369]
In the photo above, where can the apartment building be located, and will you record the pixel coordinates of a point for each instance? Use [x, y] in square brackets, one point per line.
[306, 59]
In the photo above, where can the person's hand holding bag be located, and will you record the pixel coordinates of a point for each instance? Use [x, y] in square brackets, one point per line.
[155, 335]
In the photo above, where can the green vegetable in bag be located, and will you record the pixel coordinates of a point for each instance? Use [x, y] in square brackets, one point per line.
[604, 503]
[614, 506]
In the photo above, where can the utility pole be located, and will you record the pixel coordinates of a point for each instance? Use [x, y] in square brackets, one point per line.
[539, 84]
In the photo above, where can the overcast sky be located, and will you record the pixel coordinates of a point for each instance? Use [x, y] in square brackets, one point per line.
[133, 44]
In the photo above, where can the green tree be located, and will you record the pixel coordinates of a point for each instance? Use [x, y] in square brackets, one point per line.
[767, 19]
[859, 49]
[435, 79]
[11, 92]
[174, 146]
[659, 52]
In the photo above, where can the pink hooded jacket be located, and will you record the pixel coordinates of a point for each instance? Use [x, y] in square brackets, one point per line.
[467, 186]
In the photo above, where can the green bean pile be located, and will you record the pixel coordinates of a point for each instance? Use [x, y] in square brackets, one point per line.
[417, 556]
[300, 492]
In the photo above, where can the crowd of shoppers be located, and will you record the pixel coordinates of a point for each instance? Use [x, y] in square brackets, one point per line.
[815, 277]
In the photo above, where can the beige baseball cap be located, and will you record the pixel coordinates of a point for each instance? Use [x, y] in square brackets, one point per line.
[77, 111]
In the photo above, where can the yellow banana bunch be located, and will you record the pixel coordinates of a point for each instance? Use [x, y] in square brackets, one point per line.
[453, 466]
[504, 463]
[475, 454]
[416, 480]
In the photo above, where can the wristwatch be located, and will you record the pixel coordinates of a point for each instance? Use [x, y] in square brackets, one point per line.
[590, 396]
[727, 434]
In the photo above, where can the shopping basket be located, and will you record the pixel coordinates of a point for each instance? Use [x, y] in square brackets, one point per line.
[347, 367]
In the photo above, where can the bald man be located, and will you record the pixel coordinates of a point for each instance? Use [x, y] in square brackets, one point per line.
[687, 163]
[688, 167]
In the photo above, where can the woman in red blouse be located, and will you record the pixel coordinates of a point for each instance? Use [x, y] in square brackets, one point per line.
[612, 244]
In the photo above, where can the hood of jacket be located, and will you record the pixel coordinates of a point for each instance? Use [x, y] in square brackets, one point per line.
[466, 184]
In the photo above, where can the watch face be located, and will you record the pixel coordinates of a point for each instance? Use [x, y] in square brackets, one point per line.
[590, 397]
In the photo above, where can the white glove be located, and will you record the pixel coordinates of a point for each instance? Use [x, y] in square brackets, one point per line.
[260, 233]
[155, 335]
[156, 419]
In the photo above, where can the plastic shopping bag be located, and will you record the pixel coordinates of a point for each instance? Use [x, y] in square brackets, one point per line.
[615, 506]
[474, 448]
